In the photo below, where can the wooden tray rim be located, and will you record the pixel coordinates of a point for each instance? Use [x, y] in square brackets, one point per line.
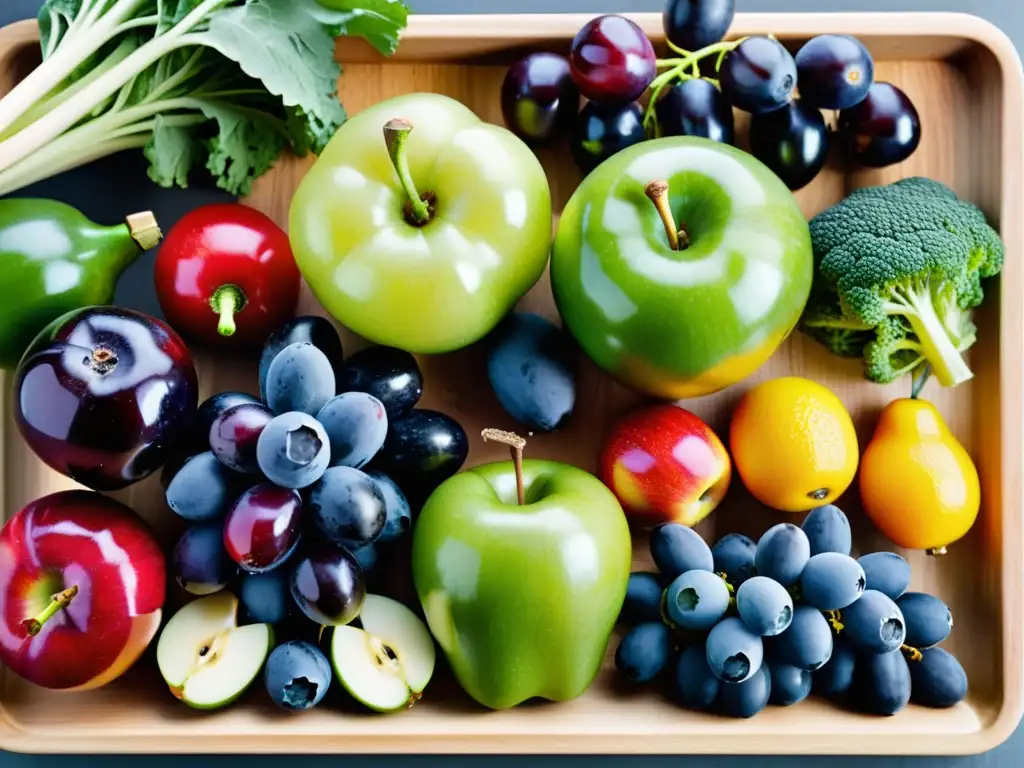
[525, 28]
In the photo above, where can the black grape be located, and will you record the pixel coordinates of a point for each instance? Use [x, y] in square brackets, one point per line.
[886, 572]
[792, 141]
[928, 619]
[677, 549]
[828, 530]
[790, 685]
[695, 685]
[733, 555]
[874, 624]
[881, 685]
[758, 75]
[643, 599]
[835, 678]
[835, 71]
[695, 108]
[782, 553]
[643, 652]
[938, 679]
[807, 643]
[831, 581]
[748, 698]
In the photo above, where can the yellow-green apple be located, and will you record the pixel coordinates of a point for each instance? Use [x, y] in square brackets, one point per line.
[665, 465]
[82, 584]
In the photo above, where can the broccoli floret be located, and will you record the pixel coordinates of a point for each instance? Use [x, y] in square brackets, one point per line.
[898, 269]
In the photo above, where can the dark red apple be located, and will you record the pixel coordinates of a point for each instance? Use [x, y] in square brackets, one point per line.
[102, 563]
[103, 394]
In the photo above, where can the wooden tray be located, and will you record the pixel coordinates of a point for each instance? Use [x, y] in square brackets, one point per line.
[965, 79]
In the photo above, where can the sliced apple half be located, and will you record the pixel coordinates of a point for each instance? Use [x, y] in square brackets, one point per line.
[208, 660]
[386, 663]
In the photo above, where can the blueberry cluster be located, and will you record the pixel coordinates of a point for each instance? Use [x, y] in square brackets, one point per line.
[740, 625]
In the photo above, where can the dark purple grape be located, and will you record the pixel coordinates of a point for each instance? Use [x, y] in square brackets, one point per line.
[263, 527]
[612, 61]
[883, 129]
[828, 530]
[235, 433]
[348, 507]
[835, 71]
[391, 375]
[886, 572]
[327, 584]
[792, 141]
[207, 413]
[200, 564]
[758, 75]
[644, 652]
[881, 683]
[643, 599]
[602, 130]
[937, 679]
[733, 555]
[834, 679]
[747, 698]
[695, 24]
[790, 685]
[928, 619]
[695, 108]
[422, 450]
[539, 99]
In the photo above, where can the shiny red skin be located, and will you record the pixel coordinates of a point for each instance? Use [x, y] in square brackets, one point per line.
[106, 422]
[262, 527]
[77, 538]
[665, 464]
[226, 244]
[612, 61]
[235, 433]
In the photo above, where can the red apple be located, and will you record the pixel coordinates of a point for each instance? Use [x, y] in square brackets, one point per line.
[82, 583]
[665, 465]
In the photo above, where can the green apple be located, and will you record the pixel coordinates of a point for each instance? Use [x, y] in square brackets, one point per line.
[205, 658]
[681, 319]
[522, 597]
[387, 661]
[420, 226]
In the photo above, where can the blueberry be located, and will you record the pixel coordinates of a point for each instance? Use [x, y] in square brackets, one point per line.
[399, 515]
[782, 553]
[297, 675]
[831, 581]
[790, 685]
[764, 605]
[733, 555]
[695, 685]
[200, 563]
[643, 652]
[828, 530]
[643, 599]
[696, 600]
[356, 424]
[293, 450]
[928, 620]
[300, 378]
[747, 698]
[886, 572]
[937, 680]
[347, 506]
[677, 549]
[318, 331]
[835, 678]
[265, 596]
[734, 652]
[874, 624]
[201, 488]
[881, 685]
[807, 643]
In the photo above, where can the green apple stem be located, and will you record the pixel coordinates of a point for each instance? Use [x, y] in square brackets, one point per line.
[226, 301]
[418, 210]
[515, 444]
[58, 602]
[657, 191]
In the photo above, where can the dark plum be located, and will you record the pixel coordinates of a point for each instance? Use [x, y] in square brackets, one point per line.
[694, 684]
[198, 439]
[883, 129]
[300, 378]
[695, 24]
[747, 698]
[356, 425]
[327, 585]
[643, 599]
[539, 99]
[391, 375]
[398, 522]
[263, 527]
[104, 394]
[293, 450]
[677, 549]
[782, 553]
[733, 555]
[928, 619]
[265, 596]
[313, 329]
[347, 506]
[601, 130]
[758, 75]
[835, 71]
[790, 685]
[764, 605]
[881, 684]
[695, 108]
[531, 367]
[644, 652]
[937, 680]
[200, 487]
[734, 652]
[874, 624]
[828, 530]
[886, 572]
[831, 581]
[807, 643]
[422, 450]
[297, 675]
[611, 60]
[235, 433]
[199, 562]
[835, 678]
[792, 141]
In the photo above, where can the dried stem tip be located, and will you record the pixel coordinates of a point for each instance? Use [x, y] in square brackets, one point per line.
[657, 191]
[510, 439]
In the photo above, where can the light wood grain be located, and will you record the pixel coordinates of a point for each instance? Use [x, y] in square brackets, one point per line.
[965, 79]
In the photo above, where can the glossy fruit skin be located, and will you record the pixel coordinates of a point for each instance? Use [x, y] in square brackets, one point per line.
[423, 449]
[611, 60]
[644, 652]
[929, 621]
[874, 624]
[391, 375]
[531, 367]
[327, 585]
[758, 75]
[356, 425]
[676, 549]
[808, 424]
[834, 71]
[764, 606]
[782, 553]
[695, 108]
[695, 24]
[835, 678]
[917, 482]
[828, 530]
[347, 506]
[45, 237]
[748, 698]
[263, 527]
[297, 675]
[198, 439]
[293, 450]
[883, 129]
[429, 304]
[398, 515]
[734, 652]
[200, 488]
[654, 335]
[831, 581]
[234, 435]
[603, 130]
[733, 555]
[300, 378]
[886, 572]
[807, 643]
[665, 464]
[643, 599]
[790, 685]
[104, 394]
[792, 141]
[265, 596]
[79, 538]
[199, 562]
[696, 600]
[226, 244]
[881, 685]
[937, 680]
[488, 641]
[539, 99]
[313, 329]
[694, 684]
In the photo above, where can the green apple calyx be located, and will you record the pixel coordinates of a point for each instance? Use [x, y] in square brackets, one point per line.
[657, 191]
[58, 602]
[418, 210]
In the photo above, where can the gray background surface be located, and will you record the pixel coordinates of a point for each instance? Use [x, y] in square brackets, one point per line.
[96, 194]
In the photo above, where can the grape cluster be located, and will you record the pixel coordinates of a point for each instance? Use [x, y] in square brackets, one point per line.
[295, 498]
[741, 625]
[612, 64]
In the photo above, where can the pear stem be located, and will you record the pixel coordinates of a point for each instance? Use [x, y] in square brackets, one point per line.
[657, 191]
[396, 133]
[920, 380]
[57, 602]
[226, 301]
[515, 444]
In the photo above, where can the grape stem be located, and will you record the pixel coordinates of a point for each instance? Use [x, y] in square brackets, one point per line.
[686, 67]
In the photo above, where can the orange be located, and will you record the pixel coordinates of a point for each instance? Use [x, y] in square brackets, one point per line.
[793, 444]
[917, 482]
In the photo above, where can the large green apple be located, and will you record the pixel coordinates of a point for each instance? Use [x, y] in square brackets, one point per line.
[684, 322]
[523, 598]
